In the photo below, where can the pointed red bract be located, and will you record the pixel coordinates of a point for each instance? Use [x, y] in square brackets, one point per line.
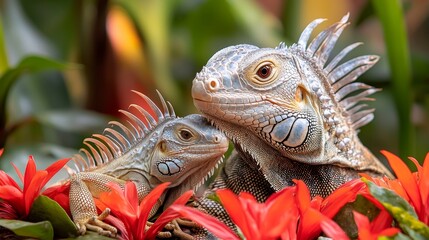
[406, 178]
[33, 182]
[287, 214]
[134, 216]
[211, 223]
[374, 230]
[413, 187]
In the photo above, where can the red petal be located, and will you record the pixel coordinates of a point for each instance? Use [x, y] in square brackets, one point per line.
[54, 168]
[275, 219]
[124, 234]
[130, 193]
[389, 232]
[424, 188]
[212, 224]
[168, 215]
[233, 206]
[309, 225]
[18, 172]
[115, 200]
[149, 201]
[33, 189]
[303, 198]
[1, 151]
[382, 221]
[342, 195]
[5, 179]
[8, 211]
[30, 171]
[10, 193]
[362, 222]
[406, 178]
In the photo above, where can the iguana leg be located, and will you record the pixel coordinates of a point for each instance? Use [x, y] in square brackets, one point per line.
[83, 187]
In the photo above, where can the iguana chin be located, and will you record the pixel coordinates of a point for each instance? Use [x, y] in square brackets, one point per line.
[183, 151]
[290, 113]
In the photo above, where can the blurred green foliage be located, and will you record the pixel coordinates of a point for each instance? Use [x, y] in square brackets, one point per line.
[79, 78]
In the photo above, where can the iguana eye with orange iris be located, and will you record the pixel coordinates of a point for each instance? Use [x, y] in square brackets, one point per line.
[264, 71]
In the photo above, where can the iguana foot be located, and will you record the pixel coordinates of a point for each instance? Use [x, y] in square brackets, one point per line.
[162, 234]
[178, 231]
[96, 224]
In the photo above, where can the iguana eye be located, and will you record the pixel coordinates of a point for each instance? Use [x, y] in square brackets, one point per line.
[264, 71]
[185, 134]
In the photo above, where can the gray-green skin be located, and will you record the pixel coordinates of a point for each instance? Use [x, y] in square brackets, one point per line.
[183, 151]
[290, 114]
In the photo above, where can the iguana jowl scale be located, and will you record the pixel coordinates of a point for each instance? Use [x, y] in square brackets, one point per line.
[183, 151]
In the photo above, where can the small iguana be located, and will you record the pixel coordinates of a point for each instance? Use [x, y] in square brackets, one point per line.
[290, 113]
[183, 151]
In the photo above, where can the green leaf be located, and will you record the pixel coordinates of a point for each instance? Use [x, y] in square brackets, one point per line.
[73, 120]
[3, 56]
[411, 225]
[392, 20]
[28, 64]
[45, 208]
[385, 195]
[400, 210]
[40, 230]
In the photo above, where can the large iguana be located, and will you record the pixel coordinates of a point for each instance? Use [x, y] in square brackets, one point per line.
[290, 113]
[183, 151]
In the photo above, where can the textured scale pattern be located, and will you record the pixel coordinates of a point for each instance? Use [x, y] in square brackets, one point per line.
[164, 148]
[292, 112]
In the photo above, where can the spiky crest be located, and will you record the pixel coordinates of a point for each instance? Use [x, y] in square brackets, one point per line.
[119, 138]
[341, 77]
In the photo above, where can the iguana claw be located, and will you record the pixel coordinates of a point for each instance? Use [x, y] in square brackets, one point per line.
[96, 224]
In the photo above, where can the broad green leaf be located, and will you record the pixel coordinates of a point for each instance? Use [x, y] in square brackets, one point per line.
[388, 196]
[27, 65]
[409, 224]
[73, 120]
[3, 56]
[47, 209]
[40, 230]
[400, 210]
[399, 236]
[392, 20]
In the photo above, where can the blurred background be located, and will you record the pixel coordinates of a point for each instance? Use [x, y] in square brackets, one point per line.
[66, 67]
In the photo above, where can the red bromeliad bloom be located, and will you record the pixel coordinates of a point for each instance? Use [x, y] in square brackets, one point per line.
[16, 202]
[130, 216]
[413, 187]
[287, 214]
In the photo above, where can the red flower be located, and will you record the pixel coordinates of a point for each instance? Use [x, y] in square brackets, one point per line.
[413, 187]
[17, 201]
[132, 215]
[287, 214]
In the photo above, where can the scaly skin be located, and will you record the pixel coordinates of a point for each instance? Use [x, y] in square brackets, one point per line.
[290, 114]
[183, 151]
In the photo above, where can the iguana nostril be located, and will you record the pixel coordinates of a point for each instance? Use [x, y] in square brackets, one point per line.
[212, 84]
[216, 138]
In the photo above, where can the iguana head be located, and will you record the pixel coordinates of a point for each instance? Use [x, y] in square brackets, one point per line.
[292, 98]
[187, 152]
[161, 148]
